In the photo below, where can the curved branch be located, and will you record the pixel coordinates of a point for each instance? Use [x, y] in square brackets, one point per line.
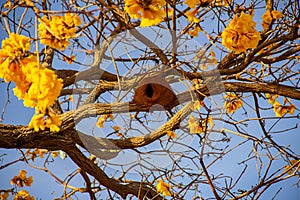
[23, 137]
[143, 140]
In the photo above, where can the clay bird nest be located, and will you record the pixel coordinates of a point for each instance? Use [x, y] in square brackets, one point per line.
[154, 90]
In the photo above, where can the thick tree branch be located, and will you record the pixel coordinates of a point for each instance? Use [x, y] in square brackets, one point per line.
[23, 137]
[17, 136]
[143, 140]
[281, 90]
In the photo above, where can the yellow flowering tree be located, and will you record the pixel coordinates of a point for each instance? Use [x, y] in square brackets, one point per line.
[149, 99]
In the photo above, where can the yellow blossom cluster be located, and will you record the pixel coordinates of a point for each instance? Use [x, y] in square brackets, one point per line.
[268, 16]
[232, 102]
[57, 30]
[52, 122]
[23, 194]
[195, 31]
[278, 108]
[102, 119]
[163, 188]
[35, 152]
[191, 15]
[116, 128]
[197, 104]
[271, 98]
[196, 127]
[192, 3]
[151, 12]
[21, 180]
[12, 55]
[240, 34]
[38, 86]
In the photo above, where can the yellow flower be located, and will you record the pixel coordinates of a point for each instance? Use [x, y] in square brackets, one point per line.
[14, 51]
[44, 89]
[54, 154]
[191, 15]
[193, 124]
[276, 14]
[192, 3]
[102, 119]
[151, 11]
[271, 98]
[268, 16]
[93, 158]
[41, 152]
[16, 46]
[7, 4]
[37, 122]
[241, 34]
[38, 86]
[71, 98]
[281, 110]
[22, 174]
[57, 30]
[195, 31]
[171, 134]
[196, 82]
[232, 102]
[32, 154]
[72, 20]
[163, 188]
[100, 122]
[53, 122]
[226, 2]
[11, 71]
[116, 128]
[218, 2]
[23, 194]
[197, 105]
[196, 127]
[21, 179]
